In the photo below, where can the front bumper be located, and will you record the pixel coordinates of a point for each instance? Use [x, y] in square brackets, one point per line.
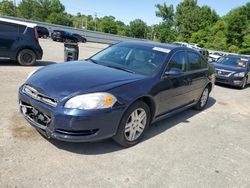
[70, 124]
[231, 80]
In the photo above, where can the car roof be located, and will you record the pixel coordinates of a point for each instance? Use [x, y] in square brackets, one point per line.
[27, 24]
[155, 44]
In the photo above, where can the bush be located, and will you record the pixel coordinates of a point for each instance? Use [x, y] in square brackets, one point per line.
[245, 51]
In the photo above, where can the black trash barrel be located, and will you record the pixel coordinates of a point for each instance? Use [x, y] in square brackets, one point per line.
[71, 51]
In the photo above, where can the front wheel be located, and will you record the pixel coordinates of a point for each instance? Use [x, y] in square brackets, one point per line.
[26, 57]
[133, 124]
[244, 83]
[201, 104]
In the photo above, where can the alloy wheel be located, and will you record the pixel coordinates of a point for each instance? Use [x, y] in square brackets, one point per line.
[204, 97]
[135, 124]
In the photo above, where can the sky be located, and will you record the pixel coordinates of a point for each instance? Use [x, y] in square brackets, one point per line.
[128, 10]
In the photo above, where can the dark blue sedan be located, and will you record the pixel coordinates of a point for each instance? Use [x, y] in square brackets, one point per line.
[116, 93]
[233, 70]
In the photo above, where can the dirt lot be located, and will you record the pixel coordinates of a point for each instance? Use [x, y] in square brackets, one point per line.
[193, 149]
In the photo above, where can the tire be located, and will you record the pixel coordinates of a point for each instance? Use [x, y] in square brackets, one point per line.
[201, 104]
[132, 127]
[26, 57]
[245, 80]
[45, 36]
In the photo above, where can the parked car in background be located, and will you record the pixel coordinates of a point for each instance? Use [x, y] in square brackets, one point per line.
[79, 38]
[19, 42]
[213, 57]
[184, 44]
[43, 32]
[201, 50]
[233, 70]
[63, 36]
[116, 93]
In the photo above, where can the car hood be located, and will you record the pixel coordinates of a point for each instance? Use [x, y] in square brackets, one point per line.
[73, 78]
[229, 68]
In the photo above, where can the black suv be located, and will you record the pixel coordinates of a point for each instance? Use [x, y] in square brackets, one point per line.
[19, 42]
[233, 70]
[63, 36]
[43, 32]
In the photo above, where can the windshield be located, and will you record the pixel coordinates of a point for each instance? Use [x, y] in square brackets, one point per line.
[132, 58]
[234, 61]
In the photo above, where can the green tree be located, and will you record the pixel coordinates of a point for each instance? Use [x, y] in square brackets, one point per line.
[191, 18]
[238, 21]
[246, 45]
[164, 33]
[25, 7]
[121, 28]
[165, 12]
[138, 29]
[56, 6]
[7, 8]
[108, 25]
[60, 18]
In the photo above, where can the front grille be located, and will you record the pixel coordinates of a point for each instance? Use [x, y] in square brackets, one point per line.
[34, 116]
[225, 73]
[30, 91]
[77, 133]
[221, 80]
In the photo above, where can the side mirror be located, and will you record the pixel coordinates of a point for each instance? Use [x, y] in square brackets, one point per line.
[174, 72]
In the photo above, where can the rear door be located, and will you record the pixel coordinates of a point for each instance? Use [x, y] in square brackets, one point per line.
[9, 36]
[197, 73]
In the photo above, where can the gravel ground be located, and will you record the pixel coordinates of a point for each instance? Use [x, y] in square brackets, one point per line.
[192, 149]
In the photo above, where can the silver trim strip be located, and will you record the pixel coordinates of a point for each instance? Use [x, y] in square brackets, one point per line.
[228, 75]
[38, 96]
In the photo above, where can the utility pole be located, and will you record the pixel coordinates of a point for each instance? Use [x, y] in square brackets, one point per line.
[95, 20]
[86, 23]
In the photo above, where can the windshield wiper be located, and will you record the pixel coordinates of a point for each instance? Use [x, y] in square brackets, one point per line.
[93, 61]
[120, 68]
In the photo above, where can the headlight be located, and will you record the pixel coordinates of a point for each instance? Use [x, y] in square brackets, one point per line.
[240, 74]
[30, 74]
[91, 101]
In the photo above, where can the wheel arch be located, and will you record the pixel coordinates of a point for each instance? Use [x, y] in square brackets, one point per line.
[210, 86]
[24, 48]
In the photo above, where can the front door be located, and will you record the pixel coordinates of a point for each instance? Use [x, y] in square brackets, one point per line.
[172, 89]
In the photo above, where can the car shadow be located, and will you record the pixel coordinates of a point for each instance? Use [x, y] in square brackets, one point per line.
[108, 146]
[37, 64]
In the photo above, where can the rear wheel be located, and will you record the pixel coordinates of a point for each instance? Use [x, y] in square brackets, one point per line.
[203, 100]
[26, 57]
[133, 124]
[45, 36]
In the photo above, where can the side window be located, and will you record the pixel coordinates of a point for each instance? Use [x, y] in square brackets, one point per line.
[8, 27]
[21, 28]
[178, 61]
[196, 62]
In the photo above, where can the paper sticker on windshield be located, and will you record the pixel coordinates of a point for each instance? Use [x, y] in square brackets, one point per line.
[161, 49]
[244, 59]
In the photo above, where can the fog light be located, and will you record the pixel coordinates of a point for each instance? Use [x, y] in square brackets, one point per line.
[237, 82]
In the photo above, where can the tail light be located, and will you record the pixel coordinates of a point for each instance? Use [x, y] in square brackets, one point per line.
[36, 35]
